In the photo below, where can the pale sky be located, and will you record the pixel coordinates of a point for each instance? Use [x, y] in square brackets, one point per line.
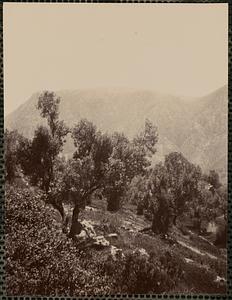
[179, 49]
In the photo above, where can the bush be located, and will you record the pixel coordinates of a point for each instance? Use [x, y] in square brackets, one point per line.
[38, 254]
[139, 274]
[110, 224]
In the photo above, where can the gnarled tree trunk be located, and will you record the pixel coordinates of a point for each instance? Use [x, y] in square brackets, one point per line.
[113, 203]
[76, 225]
[174, 220]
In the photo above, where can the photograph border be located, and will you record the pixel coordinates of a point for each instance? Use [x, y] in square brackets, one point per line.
[3, 294]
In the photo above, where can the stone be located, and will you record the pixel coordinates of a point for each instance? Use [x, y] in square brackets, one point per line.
[88, 228]
[116, 253]
[100, 241]
[142, 252]
[188, 260]
[220, 279]
[82, 234]
[112, 235]
[89, 208]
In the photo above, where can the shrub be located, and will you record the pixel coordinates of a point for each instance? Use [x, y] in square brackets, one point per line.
[38, 254]
[111, 224]
[139, 274]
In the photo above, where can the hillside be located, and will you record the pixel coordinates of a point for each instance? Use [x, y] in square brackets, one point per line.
[196, 127]
[127, 261]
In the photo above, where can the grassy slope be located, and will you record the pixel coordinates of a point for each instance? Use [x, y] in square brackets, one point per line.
[207, 261]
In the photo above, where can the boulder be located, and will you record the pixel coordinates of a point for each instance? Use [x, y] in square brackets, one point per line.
[141, 252]
[88, 228]
[82, 235]
[116, 253]
[112, 235]
[100, 242]
[220, 281]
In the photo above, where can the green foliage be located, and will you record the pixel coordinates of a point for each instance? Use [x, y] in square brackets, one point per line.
[139, 274]
[129, 159]
[36, 158]
[93, 151]
[115, 183]
[166, 190]
[210, 202]
[24, 156]
[213, 179]
[11, 144]
[84, 135]
[38, 254]
[147, 139]
[114, 160]
[182, 181]
[78, 177]
[41, 158]
[137, 193]
[48, 142]
[48, 105]
[222, 193]
[110, 224]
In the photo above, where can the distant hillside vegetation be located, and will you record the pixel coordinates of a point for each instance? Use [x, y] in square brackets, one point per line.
[196, 127]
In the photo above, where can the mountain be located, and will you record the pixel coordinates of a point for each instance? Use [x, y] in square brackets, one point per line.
[195, 126]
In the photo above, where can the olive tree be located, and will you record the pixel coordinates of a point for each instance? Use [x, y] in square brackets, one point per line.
[85, 172]
[48, 141]
[182, 182]
[128, 159]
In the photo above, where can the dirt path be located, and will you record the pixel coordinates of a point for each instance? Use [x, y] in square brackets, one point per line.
[202, 238]
[196, 250]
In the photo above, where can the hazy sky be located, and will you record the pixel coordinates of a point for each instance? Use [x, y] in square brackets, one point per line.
[172, 48]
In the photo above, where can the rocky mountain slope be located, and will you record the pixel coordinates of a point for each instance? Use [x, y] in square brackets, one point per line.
[197, 127]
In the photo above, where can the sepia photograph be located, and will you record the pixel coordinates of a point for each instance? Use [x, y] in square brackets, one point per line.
[115, 148]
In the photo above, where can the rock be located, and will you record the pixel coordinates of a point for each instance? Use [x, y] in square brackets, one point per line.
[116, 253]
[89, 208]
[141, 252]
[88, 228]
[112, 235]
[100, 242]
[82, 235]
[220, 280]
[126, 225]
[188, 260]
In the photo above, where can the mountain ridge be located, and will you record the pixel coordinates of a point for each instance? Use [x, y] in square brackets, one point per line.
[195, 126]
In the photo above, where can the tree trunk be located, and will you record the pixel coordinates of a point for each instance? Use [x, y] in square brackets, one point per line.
[155, 224]
[199, 226]
[161, 219]
[88, 200]
[174, 220]
[113, 203]
[59, 206]
[139, 210]
[76, 225]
